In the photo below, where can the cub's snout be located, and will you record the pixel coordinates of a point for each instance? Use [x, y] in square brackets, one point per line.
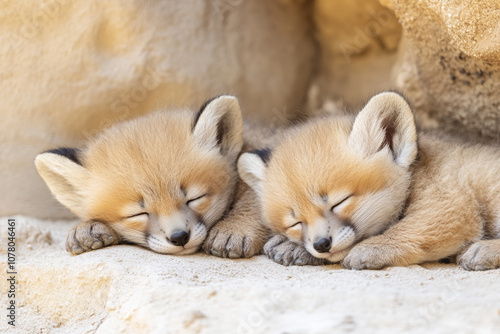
[179, 238]
[335, 246]
[323, 245]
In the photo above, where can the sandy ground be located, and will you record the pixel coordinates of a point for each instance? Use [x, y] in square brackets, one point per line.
[127, 289]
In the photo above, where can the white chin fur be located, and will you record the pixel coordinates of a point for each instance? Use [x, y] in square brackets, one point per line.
[338, 256]
[160, 244]
[333, 257]
[342, 243]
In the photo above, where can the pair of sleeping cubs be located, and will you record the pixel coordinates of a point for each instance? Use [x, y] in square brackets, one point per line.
[367, 190]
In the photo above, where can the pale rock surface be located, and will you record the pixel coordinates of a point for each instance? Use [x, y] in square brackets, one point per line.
[68, 69]
[449, 63]
[358, 41]
[127, 289]
[472, 26]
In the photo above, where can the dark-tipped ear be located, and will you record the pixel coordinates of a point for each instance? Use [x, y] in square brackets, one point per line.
[218, 125]
[386, 123]
[252, 168]
[62, 171]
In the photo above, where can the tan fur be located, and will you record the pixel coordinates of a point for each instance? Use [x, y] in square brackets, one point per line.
[150, 158]
[449, 197]
[156, 164]
[453, 208]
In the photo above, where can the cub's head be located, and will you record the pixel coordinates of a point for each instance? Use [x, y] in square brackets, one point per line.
[160, 181]
[335, 181]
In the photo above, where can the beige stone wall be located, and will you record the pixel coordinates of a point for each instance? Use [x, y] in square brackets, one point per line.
[358, 42]
[449, 64]
[68, 68]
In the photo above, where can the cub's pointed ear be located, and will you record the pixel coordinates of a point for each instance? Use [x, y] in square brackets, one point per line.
[65, 176]
[218, 125]
[252, 168]
[386, 123]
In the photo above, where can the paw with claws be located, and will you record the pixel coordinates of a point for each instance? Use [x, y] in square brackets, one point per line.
[481, 255]
[230, 240]
[90, 235]
[368, 256]
[289, 253]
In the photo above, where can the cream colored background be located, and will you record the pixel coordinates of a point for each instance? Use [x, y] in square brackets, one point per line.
[68, 68]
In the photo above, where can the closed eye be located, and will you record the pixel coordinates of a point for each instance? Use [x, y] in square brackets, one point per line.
[342, 201]
[291, 226]
[137, 215]
[195, 199]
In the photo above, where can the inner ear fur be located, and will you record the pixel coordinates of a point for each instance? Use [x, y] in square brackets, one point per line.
[62, 171]
[252, 168]
[386, 122]
[219, 125]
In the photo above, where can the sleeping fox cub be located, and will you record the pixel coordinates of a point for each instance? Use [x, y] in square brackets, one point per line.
[365, 191]
[160, 181]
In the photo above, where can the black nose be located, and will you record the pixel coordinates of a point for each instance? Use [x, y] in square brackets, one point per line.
[323, 245]
[179, 238]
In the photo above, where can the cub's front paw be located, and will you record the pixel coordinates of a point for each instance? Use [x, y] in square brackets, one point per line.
[90, 235]
[366, 257]
[283, 251]
[482, 255]
[231, 240]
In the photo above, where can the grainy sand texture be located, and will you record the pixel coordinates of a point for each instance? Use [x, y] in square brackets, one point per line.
[128, 289]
